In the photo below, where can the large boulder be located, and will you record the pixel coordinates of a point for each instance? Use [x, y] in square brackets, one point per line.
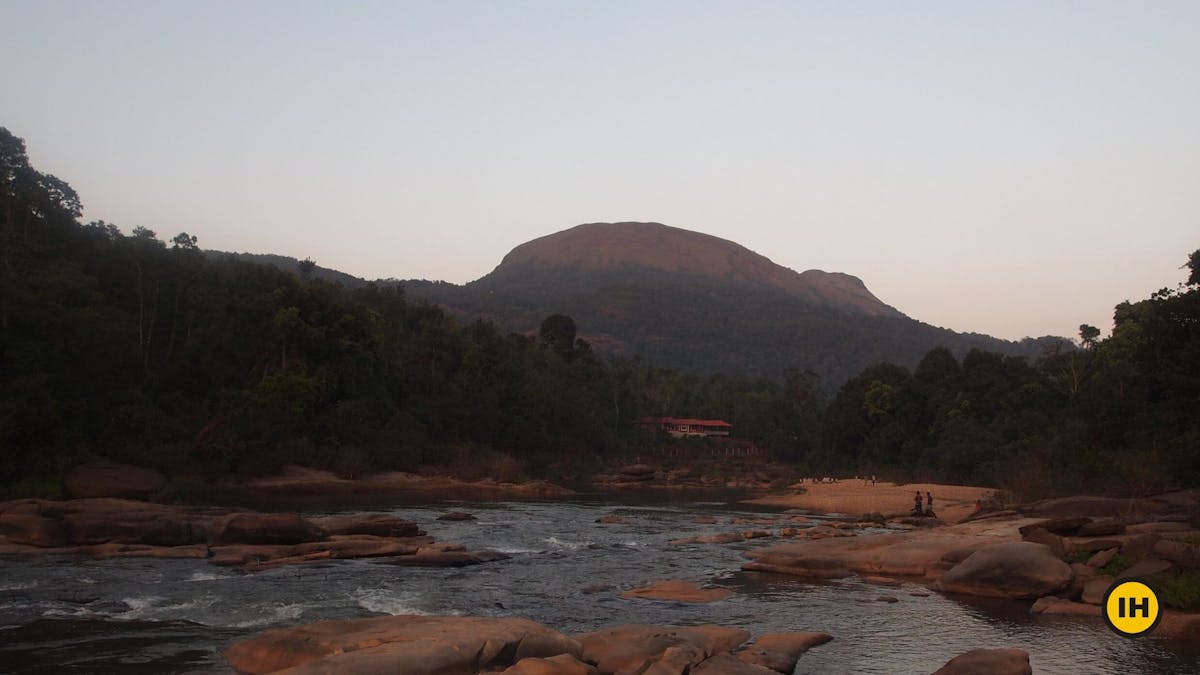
[988, 662]
[109, 479]
[637, 648]
[265, 528]
[1017, 570]
[399, 645]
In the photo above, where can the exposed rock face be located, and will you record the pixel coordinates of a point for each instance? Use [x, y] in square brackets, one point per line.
[988, 662]
[400, 645]
[1018, 570]
[677, 591]
[109, 479]
[635, 648]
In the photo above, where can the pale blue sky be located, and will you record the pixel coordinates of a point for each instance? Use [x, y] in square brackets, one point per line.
[1013, 168]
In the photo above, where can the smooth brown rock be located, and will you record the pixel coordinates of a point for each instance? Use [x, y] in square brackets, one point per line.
[456, 516]
[1140, 547]
[562, 664]
[1016, 570]
[1040, 536]
[1093, 545]
[677, 591]
[1158, 527]
[612, 519]
[1102, 558]
[633, 647]
[727, 664]
[399, 645]
[1060, 526]
[34, 530]
[723, 538]
[1095, 507]
[375, 524]
[637, 470]
[780, 651]
[109, 479]
[988, 662]
[1147, 567]
[442, 558]
[266, 528]
[1051, 605]
[1095, 588]
[1102, 528]
[1182, 554]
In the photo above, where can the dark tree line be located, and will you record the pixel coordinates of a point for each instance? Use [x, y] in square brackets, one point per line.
[154, 353]
[126, 347]
[1119, 415]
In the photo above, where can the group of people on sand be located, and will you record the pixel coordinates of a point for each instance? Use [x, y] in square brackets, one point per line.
[923, 507]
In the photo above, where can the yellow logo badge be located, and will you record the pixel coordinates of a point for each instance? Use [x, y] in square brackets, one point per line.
[1131, 608]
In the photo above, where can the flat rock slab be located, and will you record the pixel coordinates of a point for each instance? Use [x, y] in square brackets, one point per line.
[677, 591]
[399, 645]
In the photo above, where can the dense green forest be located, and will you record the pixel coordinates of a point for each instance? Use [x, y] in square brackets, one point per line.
[128, 347]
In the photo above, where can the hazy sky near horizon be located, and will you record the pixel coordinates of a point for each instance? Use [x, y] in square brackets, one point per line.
[1011, 168]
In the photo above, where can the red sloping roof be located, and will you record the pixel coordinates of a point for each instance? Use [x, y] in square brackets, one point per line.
[688, 421]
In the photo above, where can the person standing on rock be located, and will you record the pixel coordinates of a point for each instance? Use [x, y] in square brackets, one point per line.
[928, 503]
[917, 510]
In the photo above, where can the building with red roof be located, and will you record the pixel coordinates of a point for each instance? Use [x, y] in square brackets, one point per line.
[680, 427]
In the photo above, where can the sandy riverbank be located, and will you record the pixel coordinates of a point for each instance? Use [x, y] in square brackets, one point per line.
[951, 503]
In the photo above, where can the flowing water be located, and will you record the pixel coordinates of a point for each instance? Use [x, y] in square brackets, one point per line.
[75, 615]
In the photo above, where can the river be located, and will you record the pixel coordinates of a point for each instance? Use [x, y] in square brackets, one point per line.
[75, 615]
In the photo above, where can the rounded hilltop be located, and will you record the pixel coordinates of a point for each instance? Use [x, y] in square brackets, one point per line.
[636, 250]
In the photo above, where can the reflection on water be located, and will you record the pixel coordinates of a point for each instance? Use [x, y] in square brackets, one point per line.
[132, 616]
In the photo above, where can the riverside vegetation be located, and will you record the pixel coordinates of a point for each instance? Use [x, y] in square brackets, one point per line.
[128, 348]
